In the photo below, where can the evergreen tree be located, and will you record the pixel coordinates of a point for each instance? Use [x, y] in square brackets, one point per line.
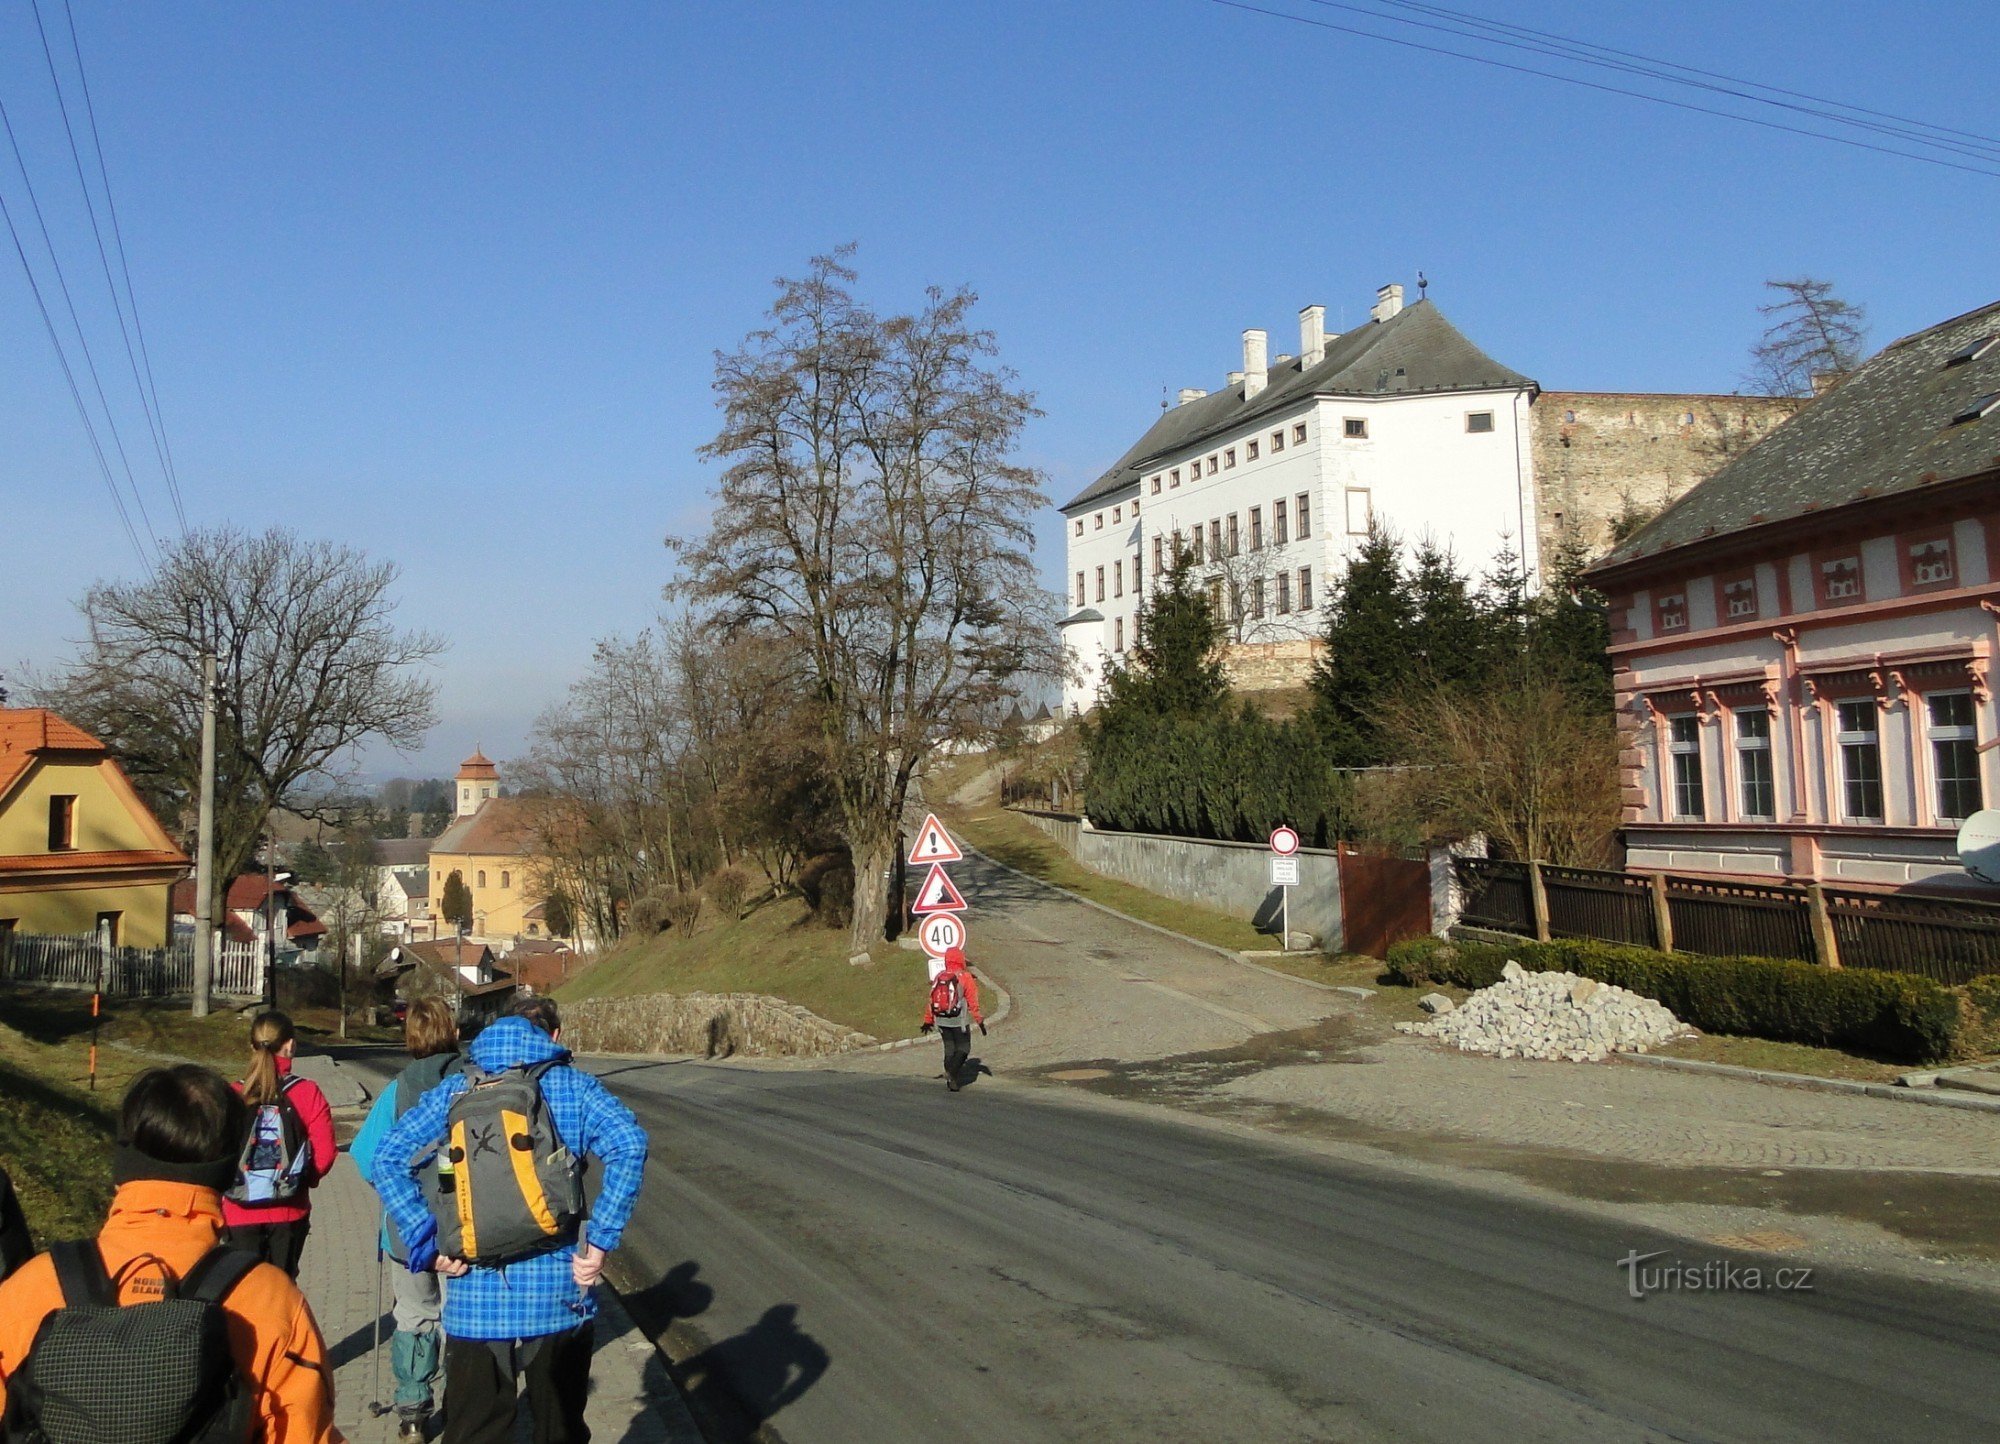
[1175, 666]
[455, 903]
[1448, 639]
[1370, 620]
[1569, 633]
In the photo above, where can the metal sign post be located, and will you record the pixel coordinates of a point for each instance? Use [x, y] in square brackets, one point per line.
[1284, 877]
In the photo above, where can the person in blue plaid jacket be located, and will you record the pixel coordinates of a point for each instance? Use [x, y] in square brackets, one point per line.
[529, 1320]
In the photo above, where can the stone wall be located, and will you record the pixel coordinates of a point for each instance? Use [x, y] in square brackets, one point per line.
[1230, 877]
[1597, 453]
[709, 1025]
[1271, 666]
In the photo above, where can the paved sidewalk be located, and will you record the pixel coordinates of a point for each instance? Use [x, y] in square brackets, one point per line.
[632, 1399]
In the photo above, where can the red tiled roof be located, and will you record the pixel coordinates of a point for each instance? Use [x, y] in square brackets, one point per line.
[26, 731]
[501, 827]
[478, 767]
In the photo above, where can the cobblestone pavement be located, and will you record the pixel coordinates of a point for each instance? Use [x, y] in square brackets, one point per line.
[632, 1400]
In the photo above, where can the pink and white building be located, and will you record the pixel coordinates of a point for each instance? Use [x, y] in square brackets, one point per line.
[1804, 644]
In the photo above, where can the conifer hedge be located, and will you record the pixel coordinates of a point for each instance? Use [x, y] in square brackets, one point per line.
[1230, 773]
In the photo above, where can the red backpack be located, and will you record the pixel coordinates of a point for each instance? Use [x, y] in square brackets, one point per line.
[947, 996]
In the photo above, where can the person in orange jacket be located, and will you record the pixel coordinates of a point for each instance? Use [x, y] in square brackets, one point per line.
[952, 1008]
[179, 1132]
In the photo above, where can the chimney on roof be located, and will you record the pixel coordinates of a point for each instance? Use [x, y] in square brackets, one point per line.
[1312, 336]
[1255, 372]
[1388, 301]
[1190, 393]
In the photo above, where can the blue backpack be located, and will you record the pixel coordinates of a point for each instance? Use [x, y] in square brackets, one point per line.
[272, 1166]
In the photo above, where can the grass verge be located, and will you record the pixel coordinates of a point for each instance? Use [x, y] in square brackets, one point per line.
[1010, 838]
[776, 950]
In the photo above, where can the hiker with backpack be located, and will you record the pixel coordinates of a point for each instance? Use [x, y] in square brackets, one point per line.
[508, 1226]
[416, 1349]
[156, 1331]
[953, 1009]
[288, 1148]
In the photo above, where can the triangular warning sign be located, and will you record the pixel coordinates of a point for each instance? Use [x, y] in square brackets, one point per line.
[934, 844]
[938, 895]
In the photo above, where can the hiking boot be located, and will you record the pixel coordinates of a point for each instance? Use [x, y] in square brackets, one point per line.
[951, 1083]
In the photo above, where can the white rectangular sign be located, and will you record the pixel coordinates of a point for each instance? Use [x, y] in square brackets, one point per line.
[1284, 872]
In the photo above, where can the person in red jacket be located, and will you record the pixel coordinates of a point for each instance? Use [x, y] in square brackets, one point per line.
[953, 1007]
[276, 1229]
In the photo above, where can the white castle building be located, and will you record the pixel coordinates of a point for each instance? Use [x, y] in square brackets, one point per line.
[1272, 482]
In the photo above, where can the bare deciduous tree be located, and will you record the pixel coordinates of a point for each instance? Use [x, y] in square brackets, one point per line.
[873, 521]
[310, 665]
[1814, 338]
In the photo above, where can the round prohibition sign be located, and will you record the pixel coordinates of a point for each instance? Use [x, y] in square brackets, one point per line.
[940, 933]
[1284, 841]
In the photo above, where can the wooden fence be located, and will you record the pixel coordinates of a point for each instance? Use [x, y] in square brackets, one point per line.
[87, 963]
[1947, 939]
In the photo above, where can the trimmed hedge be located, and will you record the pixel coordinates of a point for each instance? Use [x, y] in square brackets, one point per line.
[1895, 1015]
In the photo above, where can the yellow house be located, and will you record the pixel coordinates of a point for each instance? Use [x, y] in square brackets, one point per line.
[79, 852]
[490, 845]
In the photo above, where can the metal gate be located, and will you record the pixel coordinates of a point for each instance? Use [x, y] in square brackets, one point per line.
[1383, 900]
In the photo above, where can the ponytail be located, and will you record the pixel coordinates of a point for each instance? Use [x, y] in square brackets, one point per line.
[268, 1034]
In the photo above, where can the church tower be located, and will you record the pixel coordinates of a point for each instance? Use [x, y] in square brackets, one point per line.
[478, 779]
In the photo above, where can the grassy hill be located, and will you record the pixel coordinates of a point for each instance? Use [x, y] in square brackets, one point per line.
[776, 950]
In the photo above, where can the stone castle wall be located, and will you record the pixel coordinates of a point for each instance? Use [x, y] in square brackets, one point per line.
[1600, 454]
[1271, 666]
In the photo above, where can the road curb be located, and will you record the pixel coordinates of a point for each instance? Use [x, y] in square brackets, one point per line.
[1849, 1086]
[1228, 955]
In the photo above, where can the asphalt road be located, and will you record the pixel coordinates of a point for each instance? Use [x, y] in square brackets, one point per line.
[874, 1259]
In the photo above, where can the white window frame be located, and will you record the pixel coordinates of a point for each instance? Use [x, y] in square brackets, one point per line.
[1751, 749]
[1684, 752]
[1953, 734]
[1849, 745]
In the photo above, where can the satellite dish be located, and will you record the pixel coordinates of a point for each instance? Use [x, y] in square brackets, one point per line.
[1979, 844]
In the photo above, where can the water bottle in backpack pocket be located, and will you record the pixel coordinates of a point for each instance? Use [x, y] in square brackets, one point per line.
[144, 1373]
[515, 1188]
[272, 1166]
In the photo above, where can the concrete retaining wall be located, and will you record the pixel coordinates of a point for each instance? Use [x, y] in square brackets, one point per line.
[1230, 877]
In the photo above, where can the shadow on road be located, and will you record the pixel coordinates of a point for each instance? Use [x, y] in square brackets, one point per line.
[743, 1381]
[675, 1297]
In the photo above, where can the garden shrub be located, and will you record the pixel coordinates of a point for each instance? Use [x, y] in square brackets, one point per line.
[1896, 1015]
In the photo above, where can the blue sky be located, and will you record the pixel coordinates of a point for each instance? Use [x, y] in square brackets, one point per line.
[444, 282]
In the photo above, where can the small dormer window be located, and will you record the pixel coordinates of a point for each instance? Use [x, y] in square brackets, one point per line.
[1974, 351]
[1978, 409]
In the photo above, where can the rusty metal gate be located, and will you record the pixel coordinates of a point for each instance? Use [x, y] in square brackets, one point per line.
[1383, 899]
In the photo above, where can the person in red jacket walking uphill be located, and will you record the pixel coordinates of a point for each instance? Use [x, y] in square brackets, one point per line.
[952, 1009]
[290, 1148]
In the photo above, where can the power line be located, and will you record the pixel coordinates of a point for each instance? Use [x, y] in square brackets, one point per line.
[1695, 70]
[104, 260]
[82, 412]
[1602, 87]
[82, 340]
[1470, 27]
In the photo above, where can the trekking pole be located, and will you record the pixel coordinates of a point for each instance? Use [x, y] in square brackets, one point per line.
[377, 1408]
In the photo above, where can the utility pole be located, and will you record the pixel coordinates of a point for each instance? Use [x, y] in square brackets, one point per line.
[204, 866]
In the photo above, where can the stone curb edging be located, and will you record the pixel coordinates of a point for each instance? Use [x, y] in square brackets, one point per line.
[1849, 1086]
[1000, 1012]
[1226, 954]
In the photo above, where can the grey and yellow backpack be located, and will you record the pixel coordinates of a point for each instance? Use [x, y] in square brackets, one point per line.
[509, 1187]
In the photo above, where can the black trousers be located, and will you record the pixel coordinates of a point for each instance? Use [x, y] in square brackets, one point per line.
[278, 1243]
[480, 1384]
[957, 1048]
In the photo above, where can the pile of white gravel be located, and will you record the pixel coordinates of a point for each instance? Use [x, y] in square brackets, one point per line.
[1550, 1016]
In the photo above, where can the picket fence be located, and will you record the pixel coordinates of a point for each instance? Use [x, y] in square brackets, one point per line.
[86, 962]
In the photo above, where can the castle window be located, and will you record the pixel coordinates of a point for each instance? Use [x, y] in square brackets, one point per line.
[1117, 515]
[1359, 512]
[1279, 534]
[1478, 421]
[482, 871]
[1211, 466]
[1354, 428]
[1156, 485]
[1305, 589]
[1304, 500]
[1299, 431]
[1256, 528]
[506, 879]
[1277, 441]
[1119, 633]
[1174, 477]
[1099, 521]
[1079, 589]
[1079, 526]
[1100, 584]
[1284, 593]
[1250, 450]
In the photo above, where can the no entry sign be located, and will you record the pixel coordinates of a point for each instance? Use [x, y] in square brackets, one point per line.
[940, 933]
[1284, 841]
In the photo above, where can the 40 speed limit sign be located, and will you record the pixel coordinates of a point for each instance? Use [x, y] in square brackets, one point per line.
[940, 933]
